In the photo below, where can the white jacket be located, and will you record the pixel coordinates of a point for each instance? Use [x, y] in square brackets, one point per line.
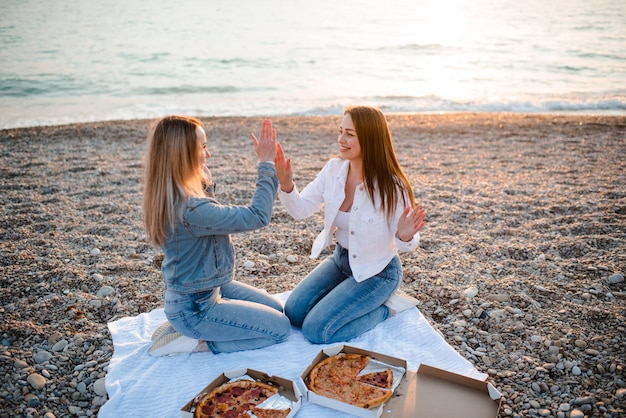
[372, 240]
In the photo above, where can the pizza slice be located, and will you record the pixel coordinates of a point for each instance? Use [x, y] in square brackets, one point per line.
[381, 379]
[367, 396]
[233, 399]
[270, 413]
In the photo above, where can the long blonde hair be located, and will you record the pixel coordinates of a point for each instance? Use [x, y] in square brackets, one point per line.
[173, 173]
[380, 165]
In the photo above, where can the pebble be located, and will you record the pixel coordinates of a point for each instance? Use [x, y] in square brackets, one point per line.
[75, 410]
[248, 264]
[60, 345]
[32, 400]
[105, 291]
[292, 258]
[580, 343]
[470, 292]
[37, 381]
[616, 278]
[99, 387]
[95, 303]
[20, 364]
[81, 387]
[499, 297]
[41, 357]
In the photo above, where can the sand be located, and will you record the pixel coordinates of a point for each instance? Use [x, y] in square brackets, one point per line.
[521, 265]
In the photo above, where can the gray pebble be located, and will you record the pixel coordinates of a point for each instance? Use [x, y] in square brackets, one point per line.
[81, 387]
[95, 303]
[616, 278]
[105, 291]
[42, 356]
[59, 346]
[75, 410]
[99, 387]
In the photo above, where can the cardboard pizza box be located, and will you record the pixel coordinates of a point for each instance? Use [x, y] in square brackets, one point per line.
[342, 406]
[435, 393]
[287, 388]
[428, 393]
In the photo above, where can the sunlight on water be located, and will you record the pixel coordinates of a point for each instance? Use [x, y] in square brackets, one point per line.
[108, 59]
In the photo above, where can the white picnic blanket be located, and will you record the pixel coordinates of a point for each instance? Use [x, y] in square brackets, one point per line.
[140, 385]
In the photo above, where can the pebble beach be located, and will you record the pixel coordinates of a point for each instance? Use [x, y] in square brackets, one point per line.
[520, 267]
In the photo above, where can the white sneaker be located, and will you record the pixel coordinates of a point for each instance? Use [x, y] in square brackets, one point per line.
[163, 329]
[174, 343]
[400, 301]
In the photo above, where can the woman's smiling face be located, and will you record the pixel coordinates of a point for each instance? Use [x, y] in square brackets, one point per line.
[204, 151]
[349, 146]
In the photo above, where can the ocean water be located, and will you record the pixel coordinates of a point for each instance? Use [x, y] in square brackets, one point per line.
[79, 61]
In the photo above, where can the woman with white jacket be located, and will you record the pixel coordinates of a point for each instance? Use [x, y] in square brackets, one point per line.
[370, 209]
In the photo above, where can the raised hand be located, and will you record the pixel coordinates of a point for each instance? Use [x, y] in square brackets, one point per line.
[265, 147]
[411, 222]
[283, 170]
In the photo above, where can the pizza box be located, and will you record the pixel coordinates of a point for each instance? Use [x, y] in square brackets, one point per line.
[395, 363]
[435, 393]
[287, 389]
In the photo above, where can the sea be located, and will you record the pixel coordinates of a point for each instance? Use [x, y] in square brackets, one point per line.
[66, 61]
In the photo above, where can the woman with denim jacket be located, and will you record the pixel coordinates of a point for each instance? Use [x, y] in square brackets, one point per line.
[206, 309]
[370, 209]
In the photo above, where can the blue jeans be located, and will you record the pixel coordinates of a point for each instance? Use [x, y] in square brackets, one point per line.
[229, 318]
[330, 306]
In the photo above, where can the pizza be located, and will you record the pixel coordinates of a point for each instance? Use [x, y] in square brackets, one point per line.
[337, 377]
[234, 399]
[382, 379]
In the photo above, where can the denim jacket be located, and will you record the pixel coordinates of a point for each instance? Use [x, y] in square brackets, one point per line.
[373, 241]
[199, 253]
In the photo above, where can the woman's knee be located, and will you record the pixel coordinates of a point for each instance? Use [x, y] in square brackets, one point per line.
[294, 311]
[285, 329]
[316, 332]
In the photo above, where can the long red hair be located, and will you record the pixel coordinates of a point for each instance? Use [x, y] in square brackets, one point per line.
[381, 170]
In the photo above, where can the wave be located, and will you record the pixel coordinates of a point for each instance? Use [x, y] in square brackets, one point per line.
[57, 111]
[430, 104]
[26, 87]
[70, 87]
[182, 89]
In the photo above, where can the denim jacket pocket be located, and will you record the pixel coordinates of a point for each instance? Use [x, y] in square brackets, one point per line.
[221, 257]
